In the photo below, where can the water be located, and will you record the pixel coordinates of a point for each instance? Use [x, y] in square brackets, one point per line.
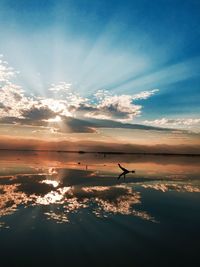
[59, 209]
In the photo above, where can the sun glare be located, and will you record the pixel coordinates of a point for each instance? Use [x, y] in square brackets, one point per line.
[56, 119]
[51, 182]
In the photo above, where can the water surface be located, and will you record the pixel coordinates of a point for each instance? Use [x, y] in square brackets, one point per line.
[59, 209]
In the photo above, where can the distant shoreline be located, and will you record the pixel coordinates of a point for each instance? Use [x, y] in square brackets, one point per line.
[104, 152]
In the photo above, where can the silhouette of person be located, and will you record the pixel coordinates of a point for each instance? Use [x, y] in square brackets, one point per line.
[125, 172]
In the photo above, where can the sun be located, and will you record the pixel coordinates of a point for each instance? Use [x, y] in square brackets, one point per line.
[55, 119]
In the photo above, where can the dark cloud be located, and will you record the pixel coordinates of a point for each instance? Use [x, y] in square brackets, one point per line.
[113, 111]
[38, 113]
[2, 106]
[9, 120]
[82, 108]
[22, 121]
[74, 125]
[17, 96]
[78, 125]
[99, 123]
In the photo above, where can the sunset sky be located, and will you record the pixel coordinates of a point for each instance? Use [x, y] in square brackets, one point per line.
[119, 72]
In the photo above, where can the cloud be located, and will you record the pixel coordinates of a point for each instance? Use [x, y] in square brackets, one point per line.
[179, 122]
[117, 107]
[12, 100]
[73, 125]
[98, 123]
[38, 113]
[144, 94]
[70, 124]
[35, 189]
[178, 187]
[6, 72]
[25, 109]
[69, 96]
[99, 146]
[62, 86]
[2, 106]
[18, 108]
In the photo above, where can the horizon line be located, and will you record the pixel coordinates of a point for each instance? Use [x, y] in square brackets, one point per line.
[105, 152]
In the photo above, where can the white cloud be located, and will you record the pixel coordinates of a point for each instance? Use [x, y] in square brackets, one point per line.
[6, 72]
[62, 86]
[117, 107]
[56, 105]
[101, 94]
[144, 94]
[13, 99]
[67, 103]
[178, 123]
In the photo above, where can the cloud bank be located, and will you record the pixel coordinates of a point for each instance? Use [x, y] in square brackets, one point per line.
[187, 123]
[64, 103]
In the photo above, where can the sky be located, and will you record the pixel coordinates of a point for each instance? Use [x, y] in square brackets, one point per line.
[121, 72]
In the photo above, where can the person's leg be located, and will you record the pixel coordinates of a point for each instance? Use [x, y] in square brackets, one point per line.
[120, 176]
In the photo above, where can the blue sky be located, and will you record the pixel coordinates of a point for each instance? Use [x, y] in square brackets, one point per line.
[123, 47]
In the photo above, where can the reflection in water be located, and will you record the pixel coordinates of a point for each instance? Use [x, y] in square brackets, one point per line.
[54, 183]
[57, 216]
[10, 199]
[178, 187]
[115, 200]
[55, 211]
[63, 191]
[102, 200]
[3, 225]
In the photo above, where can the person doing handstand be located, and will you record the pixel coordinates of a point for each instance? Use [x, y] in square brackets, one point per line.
[125, 171]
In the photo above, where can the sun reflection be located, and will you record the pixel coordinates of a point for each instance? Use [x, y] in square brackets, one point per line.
[52, 182]
[50, 198]
[53, 197]
[52, 171]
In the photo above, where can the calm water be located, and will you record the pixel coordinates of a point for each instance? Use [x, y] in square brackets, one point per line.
[62, 209]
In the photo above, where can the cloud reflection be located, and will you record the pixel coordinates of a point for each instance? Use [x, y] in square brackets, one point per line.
[178, 187]
[54, 183]
[34, 190]
[10, 199]
[62, 192]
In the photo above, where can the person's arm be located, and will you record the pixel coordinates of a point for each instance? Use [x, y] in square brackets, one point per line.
[123, 169]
